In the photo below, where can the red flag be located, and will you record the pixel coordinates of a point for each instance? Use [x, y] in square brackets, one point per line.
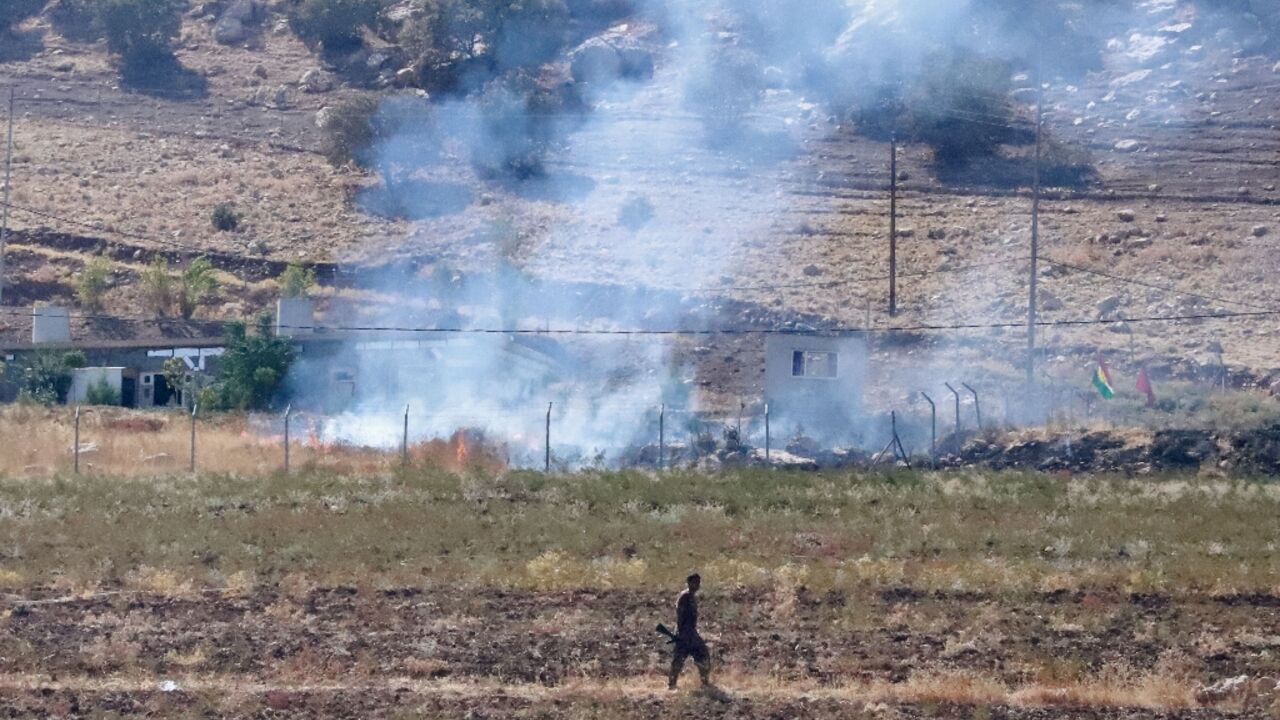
[1144, 387]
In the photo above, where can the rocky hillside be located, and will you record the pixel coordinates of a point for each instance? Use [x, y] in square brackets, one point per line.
[1179, 121]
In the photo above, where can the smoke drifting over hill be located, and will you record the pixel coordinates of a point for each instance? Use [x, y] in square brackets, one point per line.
[726, 89]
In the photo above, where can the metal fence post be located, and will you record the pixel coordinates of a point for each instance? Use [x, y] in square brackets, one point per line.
[75, 448]
[953, 392]
[546, 467]
[977, 406]
[195, 407]
[766, 432]
[662, 434]
[288, 409]
[404, 438]
[933, 428]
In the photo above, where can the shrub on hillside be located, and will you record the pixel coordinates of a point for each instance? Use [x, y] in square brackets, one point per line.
[13, 12]
[450, 38]
[196, 286]
[225, 218]
[296, 281]
[92, 284]
[140, 33]
[334, 24]
[158, 285]
[75, 19]
[348, 132]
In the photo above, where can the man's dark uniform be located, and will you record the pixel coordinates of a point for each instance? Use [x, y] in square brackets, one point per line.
[688, 643]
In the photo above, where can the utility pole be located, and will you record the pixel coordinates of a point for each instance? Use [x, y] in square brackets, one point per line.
[8, 181]
[893, 225]
[1035, 239]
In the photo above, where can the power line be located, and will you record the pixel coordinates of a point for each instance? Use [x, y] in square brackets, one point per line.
[838, 330]
[853, 280]
[110, 230]
[1153, 286]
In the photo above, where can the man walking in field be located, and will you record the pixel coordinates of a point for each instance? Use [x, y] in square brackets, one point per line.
[688, 643]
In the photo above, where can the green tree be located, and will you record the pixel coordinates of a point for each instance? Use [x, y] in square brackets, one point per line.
[296, 280]
[447, 36]
[960, 106]
[13, 12]
[158, 285]
[335, 24]
[93, 282]
[348, 132]
[46, 378]
[196, 286]
[101, 392]
[225, 218]
[253, 366]
[140, 32]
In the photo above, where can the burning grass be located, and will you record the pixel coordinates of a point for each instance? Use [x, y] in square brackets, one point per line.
[121, 443]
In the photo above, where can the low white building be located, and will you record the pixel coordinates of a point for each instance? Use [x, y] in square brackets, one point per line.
[815, 381]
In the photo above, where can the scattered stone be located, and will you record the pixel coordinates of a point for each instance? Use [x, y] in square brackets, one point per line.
[323, 116]
[229, 31]
[610, 57]
[316, 81]
[260, 70]
[1138, 243]
[937, 234]
[281, 97]
[812, 270]
[405, 77]
[1128, 145]
[906, 232]
[1049, 301]
[1126, 215]
[1109, 305]
[1240, 689]
[1260, 230]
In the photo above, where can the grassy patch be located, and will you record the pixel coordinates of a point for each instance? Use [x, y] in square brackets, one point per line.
[968, 531]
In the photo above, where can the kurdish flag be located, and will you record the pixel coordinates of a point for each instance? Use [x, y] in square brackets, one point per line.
[1102, 379]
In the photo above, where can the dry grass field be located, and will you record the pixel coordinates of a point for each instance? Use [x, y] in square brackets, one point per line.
[425, 592]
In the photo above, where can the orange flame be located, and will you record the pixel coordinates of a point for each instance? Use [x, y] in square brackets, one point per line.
[460, 438]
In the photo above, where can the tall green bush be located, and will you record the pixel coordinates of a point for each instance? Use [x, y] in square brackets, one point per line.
[253, 366]
[13, 12]
[334, 24]
[140, 32]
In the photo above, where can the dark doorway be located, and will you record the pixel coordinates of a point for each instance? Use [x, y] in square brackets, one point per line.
[128, 392]
[162, 392]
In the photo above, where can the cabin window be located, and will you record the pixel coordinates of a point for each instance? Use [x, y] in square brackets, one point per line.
[811, 364]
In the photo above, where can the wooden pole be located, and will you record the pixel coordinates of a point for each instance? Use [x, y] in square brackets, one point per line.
[195, 407]
[1032, 305]
[546, 467]
[933, 428]
[404, 438]
[288, 409]
[662, 434]
[8, 182]
[75, 448]
[893, 226]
